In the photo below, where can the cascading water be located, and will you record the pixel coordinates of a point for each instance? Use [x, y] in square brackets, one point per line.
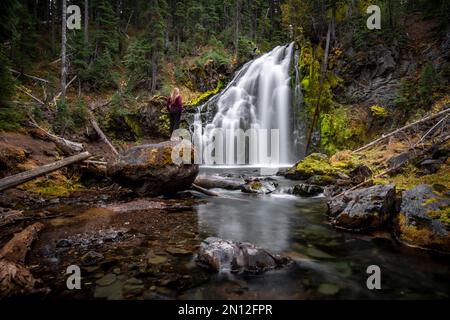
[258, 97]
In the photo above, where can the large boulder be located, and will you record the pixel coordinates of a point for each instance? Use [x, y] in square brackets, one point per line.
[314, 164]
[149, 170]
[362, 209]
[224, 255]
[424, 219]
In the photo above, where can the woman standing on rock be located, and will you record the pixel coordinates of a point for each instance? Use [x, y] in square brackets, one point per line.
[174, 107]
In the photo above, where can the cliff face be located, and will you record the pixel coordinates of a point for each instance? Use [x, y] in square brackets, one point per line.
[377, 80]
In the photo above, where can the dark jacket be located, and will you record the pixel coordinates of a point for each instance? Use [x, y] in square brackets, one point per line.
[176, 106]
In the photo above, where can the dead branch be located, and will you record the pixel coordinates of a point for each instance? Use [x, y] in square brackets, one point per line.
[31, 96]
[205, 191]
[102, 135]
[8, 216]
[411, 125]
[29, 76]
[67, 146]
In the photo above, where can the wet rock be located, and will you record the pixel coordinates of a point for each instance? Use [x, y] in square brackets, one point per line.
[149, 170]
[178, 251]
[360, 173]
[363, 209]
[216, 181]
[156, 260]
[93, 238]
[226, 255]
[106, 280]
[63, 243]
[430, 166]
[307, 190]
[261, 186]
[133, 286]
[91, 258]
[328, 289]
[423, 220]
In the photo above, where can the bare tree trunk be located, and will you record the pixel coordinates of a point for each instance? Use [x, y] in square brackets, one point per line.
[323, 73]
[236, 31]
[63, 51]
[86, 21]
[53, 26]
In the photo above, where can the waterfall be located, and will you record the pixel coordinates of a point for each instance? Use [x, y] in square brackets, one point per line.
[258, 97]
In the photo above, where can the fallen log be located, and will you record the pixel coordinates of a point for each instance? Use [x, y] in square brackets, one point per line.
[102, 135]
[402, 129]
[65, 145]
[215, 181]
[8, 216]
[16, 249]
[205, 191]
[17, 179]
[15, 279]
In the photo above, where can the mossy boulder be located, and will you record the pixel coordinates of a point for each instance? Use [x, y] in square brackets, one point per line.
[314, 164]
[363, 209]
[261, 186]
[424, 219]
[149, 170]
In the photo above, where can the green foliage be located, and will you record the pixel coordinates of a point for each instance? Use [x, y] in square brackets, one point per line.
[204, 96]
[10, 115]
[79, 113]
[136, 61]
[426, 82]
[338, 132]
[219, 57]
[378, 111]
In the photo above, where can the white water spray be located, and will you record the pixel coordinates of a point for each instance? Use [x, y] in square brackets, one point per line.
[258, 97]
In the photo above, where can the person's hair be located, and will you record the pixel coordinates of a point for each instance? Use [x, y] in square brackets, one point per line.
[175, 93]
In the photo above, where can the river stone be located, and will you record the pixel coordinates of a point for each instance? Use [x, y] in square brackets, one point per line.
[106, 280]
[178, 251]
[157, 260]
[91, 258]
[423, 220]
[307, 190]
[149, 170]
[260, 186]
[363, 209]
[328, 289]
[225, 255]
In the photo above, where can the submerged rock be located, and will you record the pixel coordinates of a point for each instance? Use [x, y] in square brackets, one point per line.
[226, 255]
[424, 220]
[149, 170]
[362, 209]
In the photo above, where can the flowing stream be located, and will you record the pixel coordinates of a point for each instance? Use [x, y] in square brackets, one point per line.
[147, 252]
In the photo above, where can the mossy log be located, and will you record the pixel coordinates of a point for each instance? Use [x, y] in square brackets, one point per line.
[17, 179]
